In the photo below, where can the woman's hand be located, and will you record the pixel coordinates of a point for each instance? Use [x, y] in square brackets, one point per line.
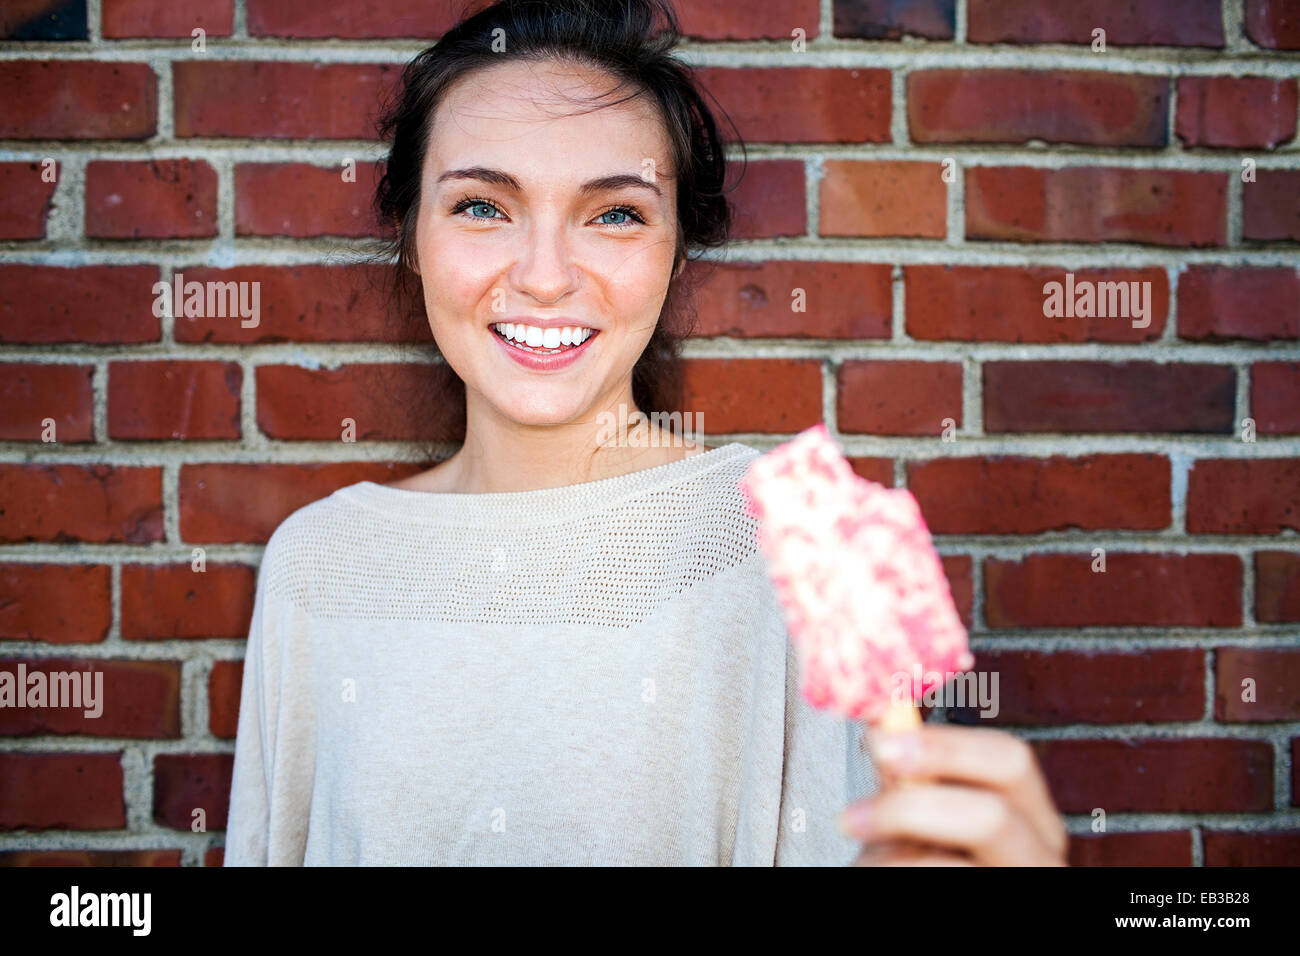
[974, 797]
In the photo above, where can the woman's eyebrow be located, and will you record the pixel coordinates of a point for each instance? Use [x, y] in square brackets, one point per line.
[497, 177]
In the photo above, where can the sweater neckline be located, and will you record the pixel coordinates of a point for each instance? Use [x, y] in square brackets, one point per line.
[538, 506]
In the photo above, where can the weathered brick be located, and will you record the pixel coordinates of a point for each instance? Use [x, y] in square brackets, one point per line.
[99, 503]
[158, 199]
[1007, 304]
[1091, 687]
[70, 791]
[1205, 775]
[1135, 590]
[1236, 112]
[769, 200]
[890, 198]
[185, 783]
[1251, 848]
[1274, 673]
[1016, 106]
[35, 604]
[32, 393]
[78, 99]
[1180, 23]
[1277, 586]
[224, 685]
[1159, 848]
[838, 300]
[803, 104]
[1161, 207]
[302, 201]
[1030, 495]
[891, 19]
[26, 196]
[140, 699]
[898, 397]
[1270, 206]
[228, 503]
[294, 100]
[1084, 396]
[1275, 397]
[90, 858]
[1243, 496]
[101, 305]
[47, 20]
[780, 396]
[1217, 303]
[1274, 24]
[122, 19]
[171, 399]
[163, 602]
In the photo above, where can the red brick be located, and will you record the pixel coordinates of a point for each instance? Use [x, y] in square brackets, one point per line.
[1016, 106]
[803, 104]
[1171, 775]
[70, 791]
[98, 503]
[171, 399]
[306, 304]
[1090, 687]
[1277, 586]
[1270, 206]
[1006, 304]
[382, 400]
[879, 470]
[897, 397]
[158, 199]
[1216, 303]
[1275, 672]
[78, 99]
[1275, 397]
[34, 604]
[224, 685]
[779, 396]
[161, 602]
[43, 20]
[1161, 207]
[374, 19]
[1255, 848]
[765, 20]
[1083, 396]
[957, 569]
[1243, 496]
[883, 199]
[841, 300]
[31, 392]
[1136, 590]
[264, 100]
[1274, 24]
[769, 200]
[100, 305]
[1159, 848]
[25, 199]
[891, 19]
[300, 200]
[91, 858]
[1182, 23]
[1031, 495]
[241, 503]
[139, 699]
[1237, 112]
[166, 18]
[183, 783]
[216, 856]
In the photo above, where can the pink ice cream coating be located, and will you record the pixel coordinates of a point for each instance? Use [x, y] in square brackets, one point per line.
[865, 597]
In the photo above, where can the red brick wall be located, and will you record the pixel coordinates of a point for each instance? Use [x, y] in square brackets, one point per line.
[924, 300]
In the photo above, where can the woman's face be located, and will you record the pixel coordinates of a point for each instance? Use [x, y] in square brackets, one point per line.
[516, 226]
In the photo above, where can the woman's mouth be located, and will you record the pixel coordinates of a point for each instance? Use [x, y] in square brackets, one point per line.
[531, 338]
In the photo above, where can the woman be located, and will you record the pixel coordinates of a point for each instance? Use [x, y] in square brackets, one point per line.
[554, 647]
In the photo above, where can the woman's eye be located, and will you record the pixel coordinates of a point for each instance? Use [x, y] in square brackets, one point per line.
[482, 205]
[629, 215]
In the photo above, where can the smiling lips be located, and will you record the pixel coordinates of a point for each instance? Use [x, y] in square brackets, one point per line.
[542, 349]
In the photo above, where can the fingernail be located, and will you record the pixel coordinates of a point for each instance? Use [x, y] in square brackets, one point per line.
[855, 820]
[898, 750]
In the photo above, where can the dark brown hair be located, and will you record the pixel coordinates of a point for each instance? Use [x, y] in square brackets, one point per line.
[631, 40]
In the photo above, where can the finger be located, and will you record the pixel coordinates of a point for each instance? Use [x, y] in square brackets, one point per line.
[973, 820]
[898, 853]
[980, 756]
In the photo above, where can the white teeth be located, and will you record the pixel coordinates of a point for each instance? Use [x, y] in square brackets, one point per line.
[539, 338]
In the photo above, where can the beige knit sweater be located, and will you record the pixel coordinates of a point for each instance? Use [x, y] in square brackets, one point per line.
[591, 674]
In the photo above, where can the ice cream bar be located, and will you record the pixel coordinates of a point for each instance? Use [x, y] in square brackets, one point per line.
[865, 598]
